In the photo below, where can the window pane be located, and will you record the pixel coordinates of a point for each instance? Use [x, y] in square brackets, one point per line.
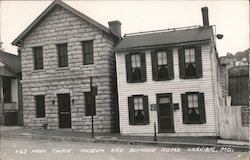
[159, 58]
[190, 101]
[136, 61]
[195, 100]
[38, 57]
[62, 54]
[88, 57]
[7, 90]
[164, 100]
[192, 55]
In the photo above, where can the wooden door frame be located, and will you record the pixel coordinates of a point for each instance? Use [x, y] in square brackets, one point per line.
[158, 96]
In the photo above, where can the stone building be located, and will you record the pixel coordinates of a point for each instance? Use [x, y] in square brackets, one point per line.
[60, 50]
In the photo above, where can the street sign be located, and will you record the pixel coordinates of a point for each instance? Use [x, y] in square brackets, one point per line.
[245, 113]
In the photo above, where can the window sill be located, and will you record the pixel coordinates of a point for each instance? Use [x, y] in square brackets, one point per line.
[139, 124]
[41, 118]
[141, 81]
[62, 68]
[194, 123]
[38, 70]
[196, 77]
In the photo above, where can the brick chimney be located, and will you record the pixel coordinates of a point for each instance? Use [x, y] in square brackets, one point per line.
[115, 27]
[204, 11]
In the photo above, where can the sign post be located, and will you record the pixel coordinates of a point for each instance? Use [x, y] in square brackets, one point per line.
[92, 116]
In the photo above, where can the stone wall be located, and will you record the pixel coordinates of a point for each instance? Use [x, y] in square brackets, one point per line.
[61, 26]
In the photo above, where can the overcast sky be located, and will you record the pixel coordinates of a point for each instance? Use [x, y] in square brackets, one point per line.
[230, 17]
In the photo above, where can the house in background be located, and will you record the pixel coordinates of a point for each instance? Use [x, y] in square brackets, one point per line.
[171, 78]
[60, 51]
[10, 89]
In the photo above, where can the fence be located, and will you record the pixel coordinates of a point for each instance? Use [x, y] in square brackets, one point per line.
[233, 122]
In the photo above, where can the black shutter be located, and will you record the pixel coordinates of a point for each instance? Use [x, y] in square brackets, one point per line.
[202, 108]
[198, 61]
[143, 67]
[154, 65]
[145, 108]
[170, 63]
[131, 110]
[184, 108]
[181, 62]
[128, 67]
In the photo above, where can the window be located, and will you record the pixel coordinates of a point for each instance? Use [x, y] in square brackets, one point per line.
[193, 108]
[89, 103]
[136, 67]
[190, 62]
[62, 55]
[40, 106]
[162, 65]
[38, 57]
[138, 110]
[87, 48]
[7, 90]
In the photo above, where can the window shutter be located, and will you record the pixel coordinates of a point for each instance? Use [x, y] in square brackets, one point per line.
[181, 63]
[184, 108]
[154, 65]
[131, 110]
[128, 67]
[145, 108]
[143, 67]
[170, 63]
[202, 108]
[198, 61]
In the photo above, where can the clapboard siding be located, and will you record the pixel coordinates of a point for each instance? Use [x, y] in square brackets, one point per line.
[175, 86]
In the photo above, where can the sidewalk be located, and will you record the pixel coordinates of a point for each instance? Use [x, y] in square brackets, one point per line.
[69, 135]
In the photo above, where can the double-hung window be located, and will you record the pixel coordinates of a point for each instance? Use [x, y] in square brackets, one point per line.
[136, 67]
[138, 110]
[193, 108]
[38, 57]
[7, 90]
[62, 55]
[40, 106]
[190, 65]
[162, 65]
[190, 62]
[87, 48]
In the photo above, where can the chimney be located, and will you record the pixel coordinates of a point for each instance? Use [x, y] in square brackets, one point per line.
[204, 11]
[115, 27]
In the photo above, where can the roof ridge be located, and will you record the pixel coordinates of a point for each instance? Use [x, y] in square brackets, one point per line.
[164, 30]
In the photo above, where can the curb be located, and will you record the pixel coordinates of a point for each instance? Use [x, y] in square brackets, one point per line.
[218, 147]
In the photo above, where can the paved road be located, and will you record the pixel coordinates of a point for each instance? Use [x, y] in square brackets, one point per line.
[29, 149]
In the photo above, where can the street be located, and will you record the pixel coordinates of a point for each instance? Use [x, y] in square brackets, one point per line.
[30, 149]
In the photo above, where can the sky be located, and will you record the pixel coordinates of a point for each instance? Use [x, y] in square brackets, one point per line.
[230, 17]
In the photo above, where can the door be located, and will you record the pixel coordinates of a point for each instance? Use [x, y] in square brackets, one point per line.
[64, 110]
[165, 113]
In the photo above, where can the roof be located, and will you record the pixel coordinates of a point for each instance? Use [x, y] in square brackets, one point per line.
[11, 60]
[164, 37]
[43, 15]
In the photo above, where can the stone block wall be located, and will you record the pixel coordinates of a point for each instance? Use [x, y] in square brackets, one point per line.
[62, 26]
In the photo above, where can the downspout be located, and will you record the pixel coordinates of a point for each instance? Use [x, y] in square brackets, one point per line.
[214, 95]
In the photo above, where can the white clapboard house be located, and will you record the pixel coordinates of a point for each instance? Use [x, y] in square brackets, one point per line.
[169, 78]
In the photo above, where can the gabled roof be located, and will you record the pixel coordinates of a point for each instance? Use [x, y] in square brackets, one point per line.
[11, 60]
[42, 16]
[164, 37]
